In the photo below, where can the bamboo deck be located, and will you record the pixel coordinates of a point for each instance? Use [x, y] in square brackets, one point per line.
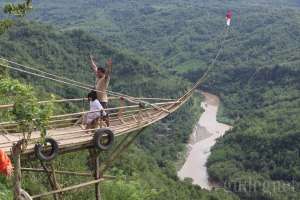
[72, 136]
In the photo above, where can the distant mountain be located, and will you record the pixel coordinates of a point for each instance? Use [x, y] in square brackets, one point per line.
[173, 33]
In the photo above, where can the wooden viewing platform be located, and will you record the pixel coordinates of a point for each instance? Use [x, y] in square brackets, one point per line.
[71, 136]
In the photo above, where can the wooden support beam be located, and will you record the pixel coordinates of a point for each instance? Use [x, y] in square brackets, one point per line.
[51, 181]
[16, 155]
[85, 174]
[59, 172]
[56, 184]
[120, 113]
[97, 176]
[124, 145]
[67, 188]
[4, 130]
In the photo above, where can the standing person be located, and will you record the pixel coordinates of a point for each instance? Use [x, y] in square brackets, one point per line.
[102, 82]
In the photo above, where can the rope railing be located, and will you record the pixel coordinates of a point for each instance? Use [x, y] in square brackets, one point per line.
[111, 109]
[86, 112]
[7, 106]
[44, 72]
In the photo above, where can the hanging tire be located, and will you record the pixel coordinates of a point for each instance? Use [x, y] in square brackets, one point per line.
[104, 139]
[48, 154]
[25, 195]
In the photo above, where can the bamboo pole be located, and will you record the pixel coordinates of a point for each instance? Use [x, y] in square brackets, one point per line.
[59, 172]
[16, 155]
[56, 184]
[120, 150]
[85, 174]
[3, 129]
[67, 188]
[51, 181]
[85, 99]
[116, 108]
[97, 176]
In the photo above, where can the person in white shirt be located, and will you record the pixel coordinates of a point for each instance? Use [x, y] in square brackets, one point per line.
[96, 110]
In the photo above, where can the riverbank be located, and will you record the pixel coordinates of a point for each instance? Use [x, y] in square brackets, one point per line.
[204, 136]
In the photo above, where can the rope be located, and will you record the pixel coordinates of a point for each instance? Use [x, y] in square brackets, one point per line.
[64, 80]
[205, 75]
[116, 94]
[49, 78]
[35, 69]
[60, 78]
[75, 83]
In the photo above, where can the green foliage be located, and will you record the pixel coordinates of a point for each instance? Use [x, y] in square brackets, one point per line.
[126, 190]
[5, 192]
[3, 70]
[265, 139]
[19, 9]
[5, 24]
[26, 111]
[177, 34]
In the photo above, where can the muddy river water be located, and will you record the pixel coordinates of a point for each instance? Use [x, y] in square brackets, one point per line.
[204, 136]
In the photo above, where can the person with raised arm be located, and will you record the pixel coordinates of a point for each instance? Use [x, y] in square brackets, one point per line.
[102, 82]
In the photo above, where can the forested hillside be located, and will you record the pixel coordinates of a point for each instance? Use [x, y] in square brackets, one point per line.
[259, 158]
[148, 170]
[172, 33]
[256, 76]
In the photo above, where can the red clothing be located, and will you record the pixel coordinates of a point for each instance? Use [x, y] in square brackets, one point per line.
[229, 14]
[5, 163]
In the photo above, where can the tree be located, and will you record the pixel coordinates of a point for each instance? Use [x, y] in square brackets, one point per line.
[29, 113]
[19, 10]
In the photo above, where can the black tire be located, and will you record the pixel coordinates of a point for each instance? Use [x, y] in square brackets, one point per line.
[100, 135]
[49, 154]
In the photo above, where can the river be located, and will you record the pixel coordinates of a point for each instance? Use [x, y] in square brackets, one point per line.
[204, 136]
